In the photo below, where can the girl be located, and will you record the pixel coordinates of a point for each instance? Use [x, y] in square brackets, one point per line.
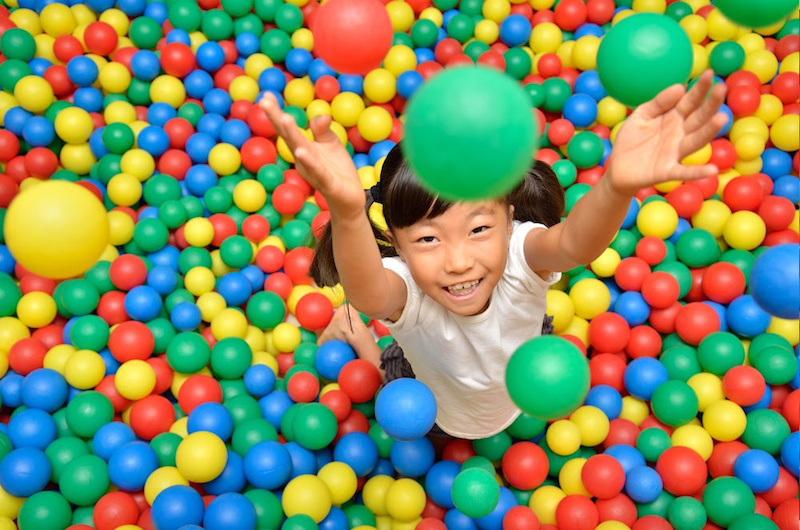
[468, 283]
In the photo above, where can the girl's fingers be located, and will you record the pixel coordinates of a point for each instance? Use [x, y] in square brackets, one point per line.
[687, 173]
[664, 102]
[702, 135]
[694, 98]
[707, 110]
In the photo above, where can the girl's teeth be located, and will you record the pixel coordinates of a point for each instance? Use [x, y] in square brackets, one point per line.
[461, 288]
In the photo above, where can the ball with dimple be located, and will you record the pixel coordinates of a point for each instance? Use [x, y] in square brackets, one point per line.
[470, 134]
[56, 229]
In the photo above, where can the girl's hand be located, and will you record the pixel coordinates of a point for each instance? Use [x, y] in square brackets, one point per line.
[660, 133]
[323, 162]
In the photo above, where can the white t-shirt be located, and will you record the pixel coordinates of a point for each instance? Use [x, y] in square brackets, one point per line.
[463, 359]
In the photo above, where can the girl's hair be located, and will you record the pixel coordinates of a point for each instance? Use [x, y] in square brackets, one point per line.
[538, 198]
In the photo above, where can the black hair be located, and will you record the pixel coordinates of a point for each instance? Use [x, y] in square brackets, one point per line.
[538, 198]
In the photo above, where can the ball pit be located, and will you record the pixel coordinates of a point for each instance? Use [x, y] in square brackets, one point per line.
[158, 357]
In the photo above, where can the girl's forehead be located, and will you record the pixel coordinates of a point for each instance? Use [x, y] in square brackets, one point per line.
[466, 211]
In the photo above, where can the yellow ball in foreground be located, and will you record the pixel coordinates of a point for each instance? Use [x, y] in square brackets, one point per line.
[56, 229]
[201, 457]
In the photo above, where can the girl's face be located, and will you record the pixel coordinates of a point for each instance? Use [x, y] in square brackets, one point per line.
[458, 257]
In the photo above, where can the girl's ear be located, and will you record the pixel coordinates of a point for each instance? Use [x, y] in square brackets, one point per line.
[510, 220]
[393, 241]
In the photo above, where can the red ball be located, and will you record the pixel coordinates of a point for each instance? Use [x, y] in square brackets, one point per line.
[723, 282]
[177, 59]
[270, 259]
[113, 510]
[651, 249]
[744, 101]
[66, 47]
[108, 388]
[621, 431]
[791, 409]
[175, 163]
[785, 489]
[100, 38]
[50, 335]
[743, 385]
[786, 87]
[360, 380]
[607, 369]
[577, 512]
[631, 272]
[570, 14]
[603, 476]
[550, 66]
[255, 228]
[682, 470]
[279, 283]
[303, 387]
[651, 522]
[356, 421]
[445, 49]
[179, 130]
[429, 523]
[41, 162]
[724, 454]
[258, 152]
[458, 450]
[314, 311]
[127, 271]
[599, 11]
[660, 290]
[521, 518]
[152, 415]
[723, 154]
[609, 332]
[296, 264]
[111, 307]
[338, 402]
[777, 212]
[525, 465]
[34, 283]
[58, 78]
[695, 321]
[560, 131]
[26, 355]
[619, 508]
[224, 227]
[9, 145]
[326, 88]
[163, 371]
[198, 389]
[131, 340]
[352, 36]
[743, 193]
[785, 515]
[687, 200]
[288, 199]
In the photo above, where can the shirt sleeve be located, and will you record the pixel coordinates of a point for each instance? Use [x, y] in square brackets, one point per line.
[411, 310]
[518, 267]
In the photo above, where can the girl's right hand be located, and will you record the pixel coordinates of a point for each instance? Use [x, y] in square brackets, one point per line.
[323, 162]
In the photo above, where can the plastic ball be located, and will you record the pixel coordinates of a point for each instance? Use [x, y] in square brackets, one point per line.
[467, 166]
[603, 476]
[267, 465]
[475, 492]
[201, 456]
[307, 495]
[632, 74]
[352, 36]
[176, 506]
[560, 372]
[65, 237]
[775, 273]
[24, 471]
[747, 15]
[406, 409]
[726, 499]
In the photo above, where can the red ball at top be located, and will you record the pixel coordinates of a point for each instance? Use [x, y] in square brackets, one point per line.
[352, 36]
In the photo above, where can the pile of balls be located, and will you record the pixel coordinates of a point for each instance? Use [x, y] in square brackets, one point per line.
[159, 366]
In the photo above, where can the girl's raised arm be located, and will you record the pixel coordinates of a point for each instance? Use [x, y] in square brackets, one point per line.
[648, 150]
[327, 166]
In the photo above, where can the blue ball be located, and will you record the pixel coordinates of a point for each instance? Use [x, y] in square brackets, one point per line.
[756, 468]
[132, 8]
[218, 101]
[413, 459]
[351, 83]
[331, 357]
[259, 380]
[762, 403]
[722, 313]
[211, 417]
[379, 150]
[44, 389]
[335, 520]
[588, 82]
[15, 119]
[494, 520]
[515, 30]
[234, 288]
[111, 437]
[96, 144]
[643, 484]
[787, 186]
[198, 146]
[143, 303]
[304, 461]
[82, 71]
[163, 279]
[581, 110]
[247, 44]
[211, 124]
[631, 306]
[272, 79]
[235, 132]
[297, 61]
[179, 35]
[32, 428]
[177, 506]
[186, 316]
[424, 55]
[775, 281]
[726, 110]
[154, 140]
[357, 450]
[267, 465]
[455, 520]
[24, 471]
[408, 82]
[131, 464]
[88, 98]
[157, 11]
[230, 510]
[145, 65]
[589, 29]
[406, 409]
[439, 482]
[255, 277]
[39, 131]
[790, 453]
[11, 389]
[200, 178]
[273, 405]
[159, 114]
[628, 456]
[775, 163]
[643, 375]
[231, 479]
[746, 318]
[383, 467]
[210, 56]
[39, 65]
[607, 399]
[198, 83]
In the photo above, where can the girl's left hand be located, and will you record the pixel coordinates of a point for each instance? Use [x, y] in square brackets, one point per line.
[660, 133]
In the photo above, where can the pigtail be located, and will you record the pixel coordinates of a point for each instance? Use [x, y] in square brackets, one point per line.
[539, 197]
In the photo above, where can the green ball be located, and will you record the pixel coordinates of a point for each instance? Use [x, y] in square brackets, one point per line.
[314, 426]
[480, 462]
[217, 25]
[585, 149]
[424, 33]
[575, 193]
[697, 248]
[269, 513]
[297, 233]
[359, 515]
[251, 432]
[242, 408]
[99, 276]
[161, 188]
[383, 441]
[230, 358]
[518, 63]
[719, 352]
[556, 92]
[11, 72]
[289, 18]
[275, 44]
[76, 297]
[62, 451]
[475, 492]
[766, 430]
[681, 362]
[726, 58]
[777, 365]
[193, 257]
[89, 332]
[726, 499]
[173, 214]
[762, 343]
[687, 513]
[556, 369]
[10, 294]
[680, 272]
[163, 332]
[145, 32]
[469, 134]
[461, 28]
[236, 252]
[6, 446]
[165, 445]
[184, 14]
[118, 138]
[658, 507]
[756, 14]
[16, 43]
[678, 10]
[493, 447]
[641, 55]
[188, 353]
[84, 480]
[674, 403]
[237, 8]
[87, 412]
[45, 510]
[265, 310]
[652, 442]
[526, 427]
[753, 521]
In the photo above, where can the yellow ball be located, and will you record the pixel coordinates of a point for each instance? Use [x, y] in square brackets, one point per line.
[693, 437]
[57, 20]
[763, 63]
[26, 19]
[119, 112]
[584, 52]
[36, 309]
[138, 163]
[769, 109]
[592, 423]
[243, 87]
[299, 92]
[749, 124]
[612, 525]
[380, 84]
[657, 218]
[563, 437]
[788, 329]
[650, 6]
[298, 292]
[374, 493]
[712, 217]
[84, 369]
[135, 379]
[199, 232]
[590, 297]
[249, 195]
[286, 337]
[744, 230]
[303, 38]
[346, 107]
[56, 357]
[257, 63]
[544, 502]
[77, 158]
[201, 456]
[432, 14]
[695, 27]
[375, 124]
[114, 78]
[124, 189]
[720, 28]
[400, 59]
[341, 480]
[606, 264]
[120, 226]
[34, 94]
[569, 478]
[784, 133]
[749, 146]
[708, 388]
[724, 420]
[161, 479]
[578, 327]
[56, 229]
[401, 14]
[229, 323]
[167, 89]
[307, 495]
[487, 31]
[634, 410]
[545, 38]
[73, 124]
[224, 159]
[405, 500]
[610, 112]
[496, 10]
[561, 308]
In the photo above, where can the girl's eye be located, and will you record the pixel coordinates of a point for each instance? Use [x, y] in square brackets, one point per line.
[480, 229]
[427, 239]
